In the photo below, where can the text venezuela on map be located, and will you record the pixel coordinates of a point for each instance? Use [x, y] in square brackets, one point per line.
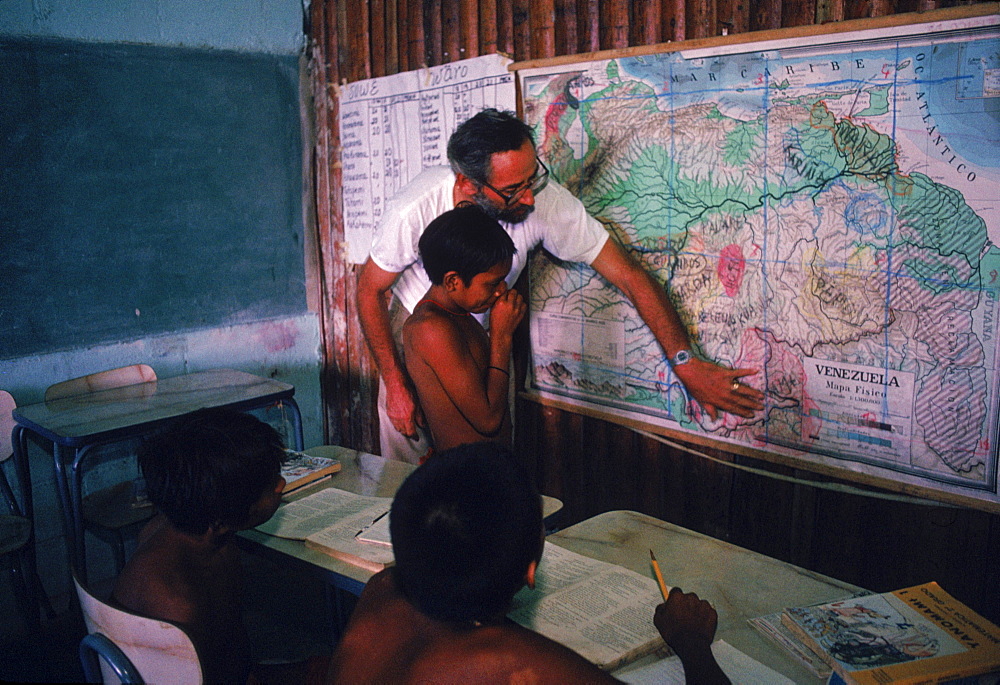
[826, 214]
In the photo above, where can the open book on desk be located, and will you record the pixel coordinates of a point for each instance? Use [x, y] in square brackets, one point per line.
[601, 611]
[740, 668]
[330, 521]
[378, 532]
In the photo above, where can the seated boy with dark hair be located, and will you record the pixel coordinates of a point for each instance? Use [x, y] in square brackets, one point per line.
[461, 373]
[210, 475]
[467, 535]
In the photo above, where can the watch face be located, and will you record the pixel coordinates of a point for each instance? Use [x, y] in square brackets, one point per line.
[681, 357]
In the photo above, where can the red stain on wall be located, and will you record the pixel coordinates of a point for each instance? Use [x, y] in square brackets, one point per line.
[279, 336]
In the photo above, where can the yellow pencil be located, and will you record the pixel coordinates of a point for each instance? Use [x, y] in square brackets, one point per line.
[664, 590]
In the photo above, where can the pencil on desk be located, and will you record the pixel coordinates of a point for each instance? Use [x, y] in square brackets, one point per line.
[664, 590]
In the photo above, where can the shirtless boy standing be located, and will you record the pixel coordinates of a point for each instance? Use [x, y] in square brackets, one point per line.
[461, 373]
[213, 474]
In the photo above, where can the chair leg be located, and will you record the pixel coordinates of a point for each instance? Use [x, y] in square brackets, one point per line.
[41, 597]
[24, 595]
[119, 549]
[31, 593]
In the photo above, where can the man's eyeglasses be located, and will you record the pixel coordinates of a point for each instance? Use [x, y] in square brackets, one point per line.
[538, 180]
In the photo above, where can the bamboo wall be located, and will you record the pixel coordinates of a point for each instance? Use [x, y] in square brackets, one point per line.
[590, 464]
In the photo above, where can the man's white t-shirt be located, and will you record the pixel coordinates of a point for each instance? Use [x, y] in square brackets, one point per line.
[560, 223]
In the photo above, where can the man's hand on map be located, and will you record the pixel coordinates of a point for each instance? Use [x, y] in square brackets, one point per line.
[717, 388]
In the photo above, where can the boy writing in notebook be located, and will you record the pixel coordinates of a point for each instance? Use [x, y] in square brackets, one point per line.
[467, 535]
[210, 475]
[461, 373]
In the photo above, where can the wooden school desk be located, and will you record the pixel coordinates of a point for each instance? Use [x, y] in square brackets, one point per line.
[75, 425]
[740, 584]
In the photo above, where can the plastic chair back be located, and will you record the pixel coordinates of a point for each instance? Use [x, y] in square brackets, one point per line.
[102, 380]
[7, 423]
[159, 650]
[11, 507]
[17, 536]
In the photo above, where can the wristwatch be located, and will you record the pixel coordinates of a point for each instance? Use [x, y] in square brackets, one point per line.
[682, 357]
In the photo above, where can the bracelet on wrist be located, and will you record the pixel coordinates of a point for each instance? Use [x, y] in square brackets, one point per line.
[503, 371]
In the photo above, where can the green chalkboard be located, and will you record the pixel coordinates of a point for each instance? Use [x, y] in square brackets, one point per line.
[145, 190]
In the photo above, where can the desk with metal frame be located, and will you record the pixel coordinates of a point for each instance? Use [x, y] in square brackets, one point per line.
[76, 425]
[741, 584]
[360, 473]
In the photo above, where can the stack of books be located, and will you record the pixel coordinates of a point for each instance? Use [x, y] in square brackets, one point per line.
[919, 634]
[301, 470]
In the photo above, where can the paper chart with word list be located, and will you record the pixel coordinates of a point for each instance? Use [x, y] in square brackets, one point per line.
[393, 127]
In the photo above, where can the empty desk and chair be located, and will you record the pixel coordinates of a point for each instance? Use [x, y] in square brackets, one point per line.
[80, 423]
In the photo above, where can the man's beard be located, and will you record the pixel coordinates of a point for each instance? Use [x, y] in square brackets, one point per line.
[508, 215]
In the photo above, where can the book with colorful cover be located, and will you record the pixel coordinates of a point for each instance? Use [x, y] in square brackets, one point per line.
[919, 634]
[300, 469]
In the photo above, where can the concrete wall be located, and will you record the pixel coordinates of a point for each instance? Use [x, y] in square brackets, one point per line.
[271, 26]
[286, 348]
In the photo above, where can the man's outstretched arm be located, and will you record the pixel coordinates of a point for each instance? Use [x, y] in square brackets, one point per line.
[713, 386]
[373, 310]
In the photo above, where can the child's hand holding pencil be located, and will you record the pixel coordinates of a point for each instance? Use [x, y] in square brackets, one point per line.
[688, 623]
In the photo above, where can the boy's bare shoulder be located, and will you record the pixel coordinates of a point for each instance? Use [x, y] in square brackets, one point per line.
[507, 653]
[150, 585]
[388, 640]
[428, 326]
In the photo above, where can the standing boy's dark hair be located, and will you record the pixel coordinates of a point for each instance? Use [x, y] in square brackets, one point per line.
[477, 139]
[465, 240]
[211, 467]
[464, 527]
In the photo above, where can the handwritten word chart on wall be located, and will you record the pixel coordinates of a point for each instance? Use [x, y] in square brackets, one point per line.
[393, 127]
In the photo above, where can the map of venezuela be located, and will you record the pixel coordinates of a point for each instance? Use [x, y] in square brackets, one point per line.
[825, 213]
